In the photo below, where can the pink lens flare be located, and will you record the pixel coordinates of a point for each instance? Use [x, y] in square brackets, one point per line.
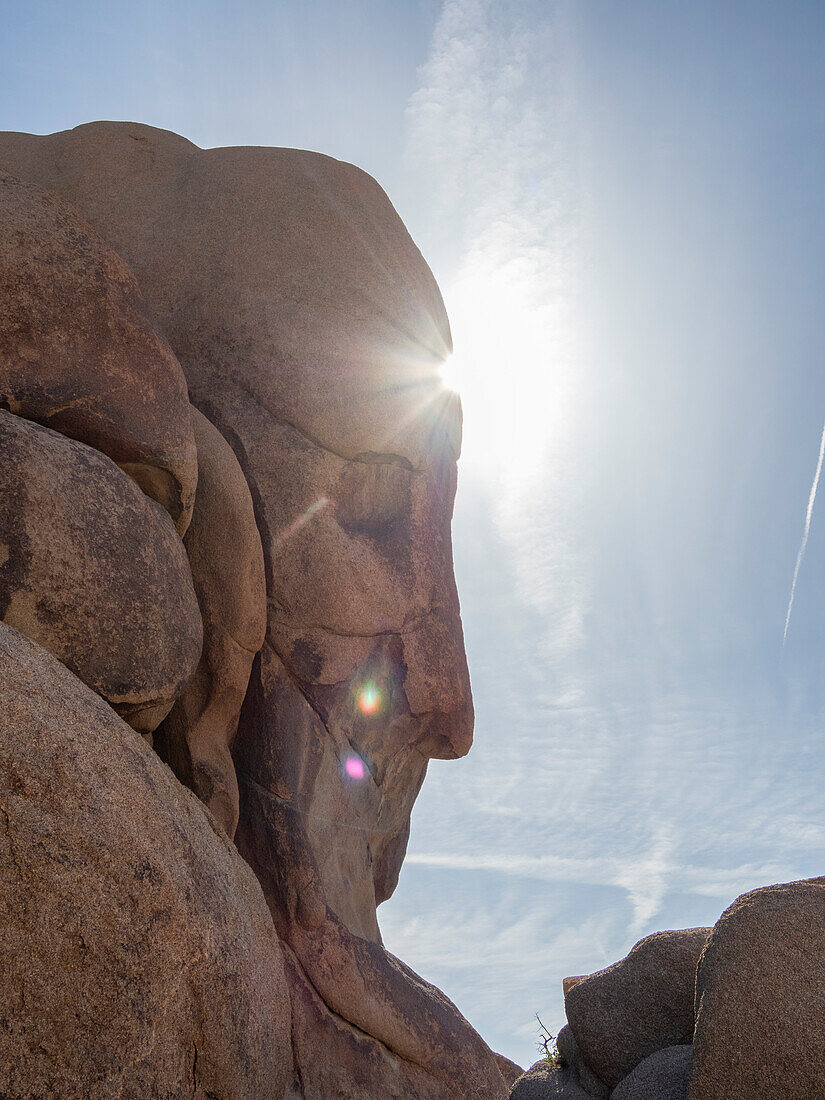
[354, 767]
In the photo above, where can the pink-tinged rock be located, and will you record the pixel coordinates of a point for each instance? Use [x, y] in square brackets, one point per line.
[509, 1070]
[79, 351]
[137, 954]
[759, 998]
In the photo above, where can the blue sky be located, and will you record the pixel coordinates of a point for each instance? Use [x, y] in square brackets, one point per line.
[622, 203]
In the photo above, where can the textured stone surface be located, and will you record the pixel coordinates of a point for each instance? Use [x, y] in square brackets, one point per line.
[137, 955]
[93, 571]
[662, 1076]
[544, 1082]
[571, 1056]
[224, 550]
[310, 331]
[621, 1015]
[759, 998]
[79, 351]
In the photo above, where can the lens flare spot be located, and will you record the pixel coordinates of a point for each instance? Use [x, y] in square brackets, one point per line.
[354, 767]
[369, 699]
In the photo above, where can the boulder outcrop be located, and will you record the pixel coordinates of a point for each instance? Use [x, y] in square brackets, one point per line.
[759, 998]
[643, 1003]
[94, 572]
[137, 953]
[79, 352]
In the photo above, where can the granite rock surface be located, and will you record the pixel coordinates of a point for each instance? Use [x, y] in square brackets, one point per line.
[137, 953]
[93, 570]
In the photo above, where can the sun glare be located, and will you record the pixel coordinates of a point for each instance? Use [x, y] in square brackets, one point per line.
[515, 366]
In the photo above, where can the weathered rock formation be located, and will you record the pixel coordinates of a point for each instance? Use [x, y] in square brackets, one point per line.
[571, 1057]
[137, 954]
[310, 331]
[546, 1082]
[264, 584]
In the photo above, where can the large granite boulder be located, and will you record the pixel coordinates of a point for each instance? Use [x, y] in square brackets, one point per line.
[662, 1076]
[137, 954]
[643, 1003]
[224, 550]
[79, 351]
[94, 572]
[759, 998]
[310, 331]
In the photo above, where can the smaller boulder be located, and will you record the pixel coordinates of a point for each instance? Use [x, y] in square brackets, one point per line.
[662, 1076]
[641, 1004]
[545, 1082]
[759, 998]
[92, 570]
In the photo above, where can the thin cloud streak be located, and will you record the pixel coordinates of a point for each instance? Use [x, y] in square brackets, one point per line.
[629, 875]
[806, 532]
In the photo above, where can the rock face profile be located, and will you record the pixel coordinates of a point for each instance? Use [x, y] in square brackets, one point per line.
[310, 332]
[137, 955]
[227, 471]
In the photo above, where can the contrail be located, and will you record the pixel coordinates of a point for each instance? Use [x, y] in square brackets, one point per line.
[805, 533]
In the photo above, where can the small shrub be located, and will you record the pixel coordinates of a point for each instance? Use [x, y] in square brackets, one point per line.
[547, 1046]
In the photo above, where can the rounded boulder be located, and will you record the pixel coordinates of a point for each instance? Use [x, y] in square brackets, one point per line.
[137, 954]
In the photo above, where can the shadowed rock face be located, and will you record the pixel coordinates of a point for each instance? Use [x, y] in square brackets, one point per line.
[225, 555]
[310, 331]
